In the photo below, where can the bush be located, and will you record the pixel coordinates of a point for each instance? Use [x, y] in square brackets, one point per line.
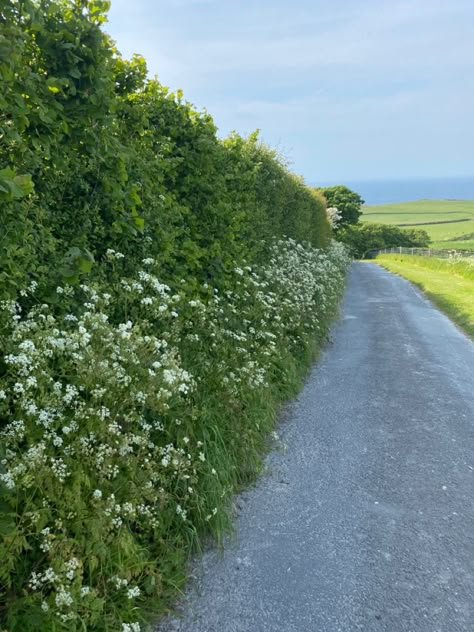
[123, 441]
[117, 161]
[347, 202]
[367, 236]
[156, 305]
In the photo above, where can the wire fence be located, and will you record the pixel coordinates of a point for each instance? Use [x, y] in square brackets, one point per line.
[421, 252]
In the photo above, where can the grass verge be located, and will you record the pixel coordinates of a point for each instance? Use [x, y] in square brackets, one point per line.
[449, 284]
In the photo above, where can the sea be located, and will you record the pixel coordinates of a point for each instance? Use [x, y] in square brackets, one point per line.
[386, 191]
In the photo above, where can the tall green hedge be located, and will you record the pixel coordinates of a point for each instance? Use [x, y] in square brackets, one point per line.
[117, 161]
[134, 403]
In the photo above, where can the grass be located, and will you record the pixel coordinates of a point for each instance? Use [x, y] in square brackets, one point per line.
[422, 212]
[449, 284]
[465, 244]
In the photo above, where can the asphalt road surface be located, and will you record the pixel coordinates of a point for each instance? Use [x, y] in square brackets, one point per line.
[364, 518]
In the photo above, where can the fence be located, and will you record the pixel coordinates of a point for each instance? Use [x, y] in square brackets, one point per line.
[421, 252]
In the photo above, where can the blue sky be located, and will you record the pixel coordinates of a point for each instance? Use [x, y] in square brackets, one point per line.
[346, 90]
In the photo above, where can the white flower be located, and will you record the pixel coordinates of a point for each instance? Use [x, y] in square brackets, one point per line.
[8, 480]
[119, 583]
[134, 592]
[112, 254]
[181, 512]
[130, 627]
[97, 494]
[63, 598]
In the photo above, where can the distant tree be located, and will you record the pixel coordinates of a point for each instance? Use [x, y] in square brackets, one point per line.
[347, 202]
[368, 236]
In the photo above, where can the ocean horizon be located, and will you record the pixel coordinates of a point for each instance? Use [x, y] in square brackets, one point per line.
[409, 190]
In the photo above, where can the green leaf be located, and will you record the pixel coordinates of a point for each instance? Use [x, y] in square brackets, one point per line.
[14, 187]
[75, 262]
[25, 184]
[7, 524]
[139, 223]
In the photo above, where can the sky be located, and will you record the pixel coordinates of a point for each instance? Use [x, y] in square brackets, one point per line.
[346, 90]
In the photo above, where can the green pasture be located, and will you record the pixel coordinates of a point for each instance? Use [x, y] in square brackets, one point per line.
[465, 244]
[421, 213]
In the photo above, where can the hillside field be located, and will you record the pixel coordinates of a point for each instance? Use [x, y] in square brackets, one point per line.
[449, 233]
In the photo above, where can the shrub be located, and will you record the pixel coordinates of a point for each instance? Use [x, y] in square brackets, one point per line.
[156, 305]
[368, 236]
[347, 202]
[122, 442]
[117, 161]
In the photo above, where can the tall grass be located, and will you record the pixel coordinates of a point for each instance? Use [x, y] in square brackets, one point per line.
[461, 266]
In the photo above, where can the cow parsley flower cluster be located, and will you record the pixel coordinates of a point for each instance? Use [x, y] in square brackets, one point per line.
[115, 412]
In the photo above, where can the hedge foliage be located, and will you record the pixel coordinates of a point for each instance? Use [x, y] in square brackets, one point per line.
[117, 161]
[367, 236]
[122, 442]
[156, 305]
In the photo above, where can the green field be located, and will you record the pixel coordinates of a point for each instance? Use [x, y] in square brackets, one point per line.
[422, 213]
[449, 284]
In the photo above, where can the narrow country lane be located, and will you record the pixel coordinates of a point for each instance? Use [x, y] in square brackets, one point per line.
[364, 520]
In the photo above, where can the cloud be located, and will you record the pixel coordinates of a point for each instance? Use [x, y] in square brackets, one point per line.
[310, 73]
[399, 35]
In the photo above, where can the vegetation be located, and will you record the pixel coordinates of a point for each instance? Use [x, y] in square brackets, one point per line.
[161, 292]
[439, 218]
[119, 162]
[457, 244]
[365, 237]
[449, 283]
[347, 202]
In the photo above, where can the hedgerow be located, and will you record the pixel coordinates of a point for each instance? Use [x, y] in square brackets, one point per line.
[367, 236]
[123, 441]
[161, 292]
[117, 161]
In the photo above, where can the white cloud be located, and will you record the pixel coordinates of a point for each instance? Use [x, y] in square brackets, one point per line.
[337, 76]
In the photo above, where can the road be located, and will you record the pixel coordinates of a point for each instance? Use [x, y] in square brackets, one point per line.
[364, 518]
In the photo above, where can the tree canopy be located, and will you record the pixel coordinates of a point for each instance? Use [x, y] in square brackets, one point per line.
[367, 236]
[347, 202]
